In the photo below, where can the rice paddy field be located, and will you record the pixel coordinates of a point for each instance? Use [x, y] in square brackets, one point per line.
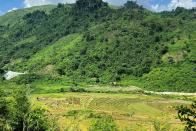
[130, 112]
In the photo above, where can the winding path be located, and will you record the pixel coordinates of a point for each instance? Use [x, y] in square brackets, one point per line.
[171, 93]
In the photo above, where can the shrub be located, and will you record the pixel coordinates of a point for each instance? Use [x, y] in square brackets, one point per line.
[17, 113]
[161, 126]
[62, 90]
[2, 71]
[38, 121]
[187, 115]
[27, 79]
[76, 89]
[90, 37]
[72, 113]
[105, 123]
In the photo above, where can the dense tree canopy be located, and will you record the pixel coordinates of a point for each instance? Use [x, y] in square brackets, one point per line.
[89, 4]
[90, 40]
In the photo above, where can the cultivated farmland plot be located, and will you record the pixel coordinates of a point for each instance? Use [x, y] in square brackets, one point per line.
[129, 111]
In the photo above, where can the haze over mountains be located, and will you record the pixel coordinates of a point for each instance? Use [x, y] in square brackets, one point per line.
[93, 42]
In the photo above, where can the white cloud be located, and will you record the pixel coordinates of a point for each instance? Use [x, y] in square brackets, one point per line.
[30, 3]
[182, 3]
[157, 7]
[12, 9]
[173, 5]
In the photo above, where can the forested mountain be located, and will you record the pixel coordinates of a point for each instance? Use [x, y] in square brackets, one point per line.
[15, 16]
[92, 42]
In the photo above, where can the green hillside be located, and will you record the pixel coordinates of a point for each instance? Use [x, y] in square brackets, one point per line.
[94, 43]
[14, 17]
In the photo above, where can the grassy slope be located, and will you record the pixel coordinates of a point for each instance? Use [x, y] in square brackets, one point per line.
[52, 54]
[14, 17]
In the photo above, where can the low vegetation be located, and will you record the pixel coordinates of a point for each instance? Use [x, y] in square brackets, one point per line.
[105, 123]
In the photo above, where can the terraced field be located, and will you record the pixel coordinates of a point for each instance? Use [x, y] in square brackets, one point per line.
[131, 112]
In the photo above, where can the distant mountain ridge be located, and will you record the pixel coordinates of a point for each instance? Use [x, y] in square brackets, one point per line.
[91, 42]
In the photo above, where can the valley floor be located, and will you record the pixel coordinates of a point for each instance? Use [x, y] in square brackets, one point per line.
[131, 108]
[131, 112]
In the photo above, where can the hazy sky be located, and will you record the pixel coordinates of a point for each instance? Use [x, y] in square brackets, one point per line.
[154, 5]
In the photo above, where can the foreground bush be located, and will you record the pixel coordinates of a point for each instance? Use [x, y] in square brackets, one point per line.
[17, 113]
[188, 115]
